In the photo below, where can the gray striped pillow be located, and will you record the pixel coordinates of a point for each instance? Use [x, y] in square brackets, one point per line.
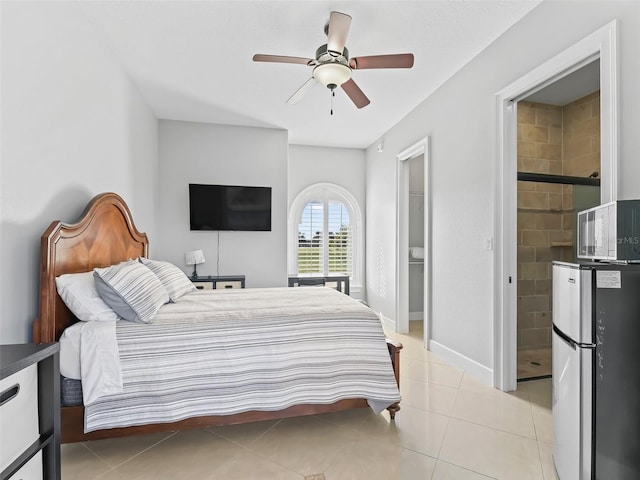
[131, 290]
[172, 278]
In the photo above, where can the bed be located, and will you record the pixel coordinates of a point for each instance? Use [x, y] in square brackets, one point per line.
[106, 235]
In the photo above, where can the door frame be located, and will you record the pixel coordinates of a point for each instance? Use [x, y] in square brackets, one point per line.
[421, 147]
[601, 44]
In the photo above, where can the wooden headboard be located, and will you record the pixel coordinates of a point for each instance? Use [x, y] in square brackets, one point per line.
[104, 235]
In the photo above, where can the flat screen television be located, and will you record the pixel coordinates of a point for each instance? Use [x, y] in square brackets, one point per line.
[229, 207]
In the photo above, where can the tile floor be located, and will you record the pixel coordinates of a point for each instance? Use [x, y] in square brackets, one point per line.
[450, 427]
[534, 362]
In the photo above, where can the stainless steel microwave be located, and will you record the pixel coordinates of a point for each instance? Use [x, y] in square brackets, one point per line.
[610, 232]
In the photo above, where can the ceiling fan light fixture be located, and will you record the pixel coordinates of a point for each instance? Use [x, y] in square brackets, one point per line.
[332, 75]
[332, 65]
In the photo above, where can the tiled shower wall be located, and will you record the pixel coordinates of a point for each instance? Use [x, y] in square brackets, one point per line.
[581, 136]
[556, 140]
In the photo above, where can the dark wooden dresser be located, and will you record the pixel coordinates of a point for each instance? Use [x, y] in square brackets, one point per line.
[30, 411]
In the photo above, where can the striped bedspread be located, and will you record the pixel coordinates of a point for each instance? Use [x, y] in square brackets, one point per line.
[222, 352]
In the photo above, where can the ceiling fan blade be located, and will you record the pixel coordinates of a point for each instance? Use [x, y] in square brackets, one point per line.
[401, 60]
[355, 94]
[283, 59]
[302, 91]
[337, 31]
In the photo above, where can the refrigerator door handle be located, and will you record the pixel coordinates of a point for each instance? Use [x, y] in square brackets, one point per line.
[565, 338]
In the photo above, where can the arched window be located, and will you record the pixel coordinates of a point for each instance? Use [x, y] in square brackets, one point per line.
[325, 232]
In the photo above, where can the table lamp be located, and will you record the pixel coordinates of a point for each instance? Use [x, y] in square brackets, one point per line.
[194, 258]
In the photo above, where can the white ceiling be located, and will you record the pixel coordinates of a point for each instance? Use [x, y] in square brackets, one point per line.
[192, 60]
[571, 87]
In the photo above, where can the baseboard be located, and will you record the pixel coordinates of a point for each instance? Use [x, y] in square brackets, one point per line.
[416, 316]
[356, 291]
[387, 323]
[477, 370]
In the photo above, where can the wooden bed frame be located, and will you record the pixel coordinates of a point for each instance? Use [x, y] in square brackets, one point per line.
[106, 235]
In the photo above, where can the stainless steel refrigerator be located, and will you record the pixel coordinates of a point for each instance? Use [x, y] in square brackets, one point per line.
[596, 371]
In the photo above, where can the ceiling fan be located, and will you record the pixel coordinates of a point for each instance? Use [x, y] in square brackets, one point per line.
[332, 66]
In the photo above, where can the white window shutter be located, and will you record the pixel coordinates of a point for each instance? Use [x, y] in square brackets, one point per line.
[325, 238]
[340, 239]
[311, 239]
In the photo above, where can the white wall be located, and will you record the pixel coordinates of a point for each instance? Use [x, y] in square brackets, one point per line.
[226, 155]
[73, 126]
[345, 167]
[342, 166]
[459, 118]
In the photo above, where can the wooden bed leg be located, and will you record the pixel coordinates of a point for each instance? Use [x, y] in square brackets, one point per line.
[394, 352]
[393, 409]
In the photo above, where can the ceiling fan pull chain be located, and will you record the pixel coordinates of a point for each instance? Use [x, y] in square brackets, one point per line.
[333, 94]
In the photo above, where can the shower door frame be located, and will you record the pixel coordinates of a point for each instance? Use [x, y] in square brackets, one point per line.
[601, 44]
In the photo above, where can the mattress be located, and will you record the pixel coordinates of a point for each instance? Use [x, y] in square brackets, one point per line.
[70, 351]
[70, 392]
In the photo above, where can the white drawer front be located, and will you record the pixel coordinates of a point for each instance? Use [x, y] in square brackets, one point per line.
[203, 285]
[19, 415]
[32, 470]
[228, 285]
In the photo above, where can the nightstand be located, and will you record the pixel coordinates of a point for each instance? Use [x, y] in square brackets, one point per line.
[339, 281]
[213, 282]
[30, 411]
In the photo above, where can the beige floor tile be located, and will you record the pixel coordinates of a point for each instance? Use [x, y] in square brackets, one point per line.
[543, 422]
[540, 398]
[434, 357]
[546, 458]
[495, 409]
[414, 340]
[540, 392]
[244, 434]
[416, 327]
[351, 418]
[522, 391]
[188, 454]
[420, 431]
[446, 471]
[427, 396]
[534, 362]
[414, 429]
[491, 452]
[114, 451]
[417, 351]
[372, 460]
[435, 373]
[80, 463]
[304, 444]
[471, 384]
[381, 428]
[112, 474]
[414, 348]
[249, 466]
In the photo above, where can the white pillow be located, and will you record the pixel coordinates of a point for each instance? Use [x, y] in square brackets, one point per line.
[131, 290]
[172, 278]
[78, 292]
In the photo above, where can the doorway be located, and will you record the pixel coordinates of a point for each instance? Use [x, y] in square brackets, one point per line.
[601, 45]
[413, 251]
[416, 243]
[558, 160]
